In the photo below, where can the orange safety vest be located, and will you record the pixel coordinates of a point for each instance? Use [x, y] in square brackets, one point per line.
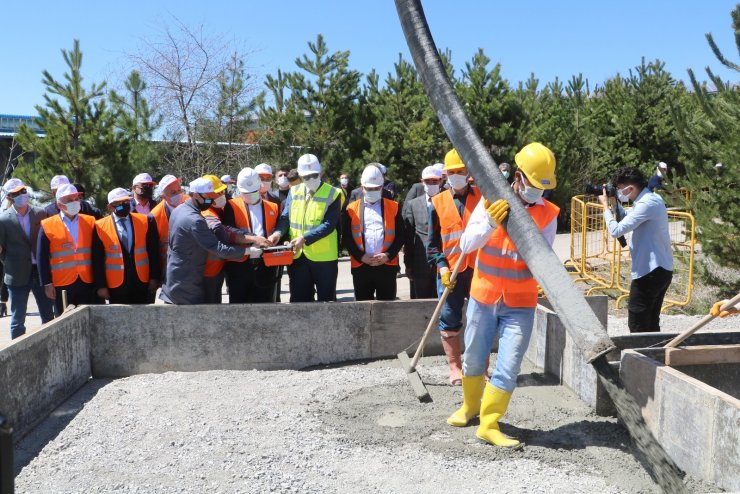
[214, 264]
[114, 266]
[241, 217]
[159, 213]
[67, 261]
[500, 272]
[452, 226]
[355, 210]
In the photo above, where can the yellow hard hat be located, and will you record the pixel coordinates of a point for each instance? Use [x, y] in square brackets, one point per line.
[537, 163]
[218, 185]
[453, 161]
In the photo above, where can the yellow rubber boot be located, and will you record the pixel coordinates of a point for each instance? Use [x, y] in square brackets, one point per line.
[472, 391]
[495, 403]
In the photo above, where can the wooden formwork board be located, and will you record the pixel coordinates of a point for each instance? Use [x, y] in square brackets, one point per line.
[703, 355]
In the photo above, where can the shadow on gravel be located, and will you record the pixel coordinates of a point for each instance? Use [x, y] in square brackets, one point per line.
[31, 445]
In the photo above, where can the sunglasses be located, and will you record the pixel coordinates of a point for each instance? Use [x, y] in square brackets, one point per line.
[17, 193]
[309, 177]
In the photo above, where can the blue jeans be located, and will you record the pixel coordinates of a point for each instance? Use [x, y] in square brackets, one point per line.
[19, 304]
[451, 315]
[513, 327]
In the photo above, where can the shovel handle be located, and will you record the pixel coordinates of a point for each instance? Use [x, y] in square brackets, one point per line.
[696, 327]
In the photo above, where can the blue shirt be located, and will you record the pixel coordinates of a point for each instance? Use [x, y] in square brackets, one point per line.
[124, 224]
[650, 242]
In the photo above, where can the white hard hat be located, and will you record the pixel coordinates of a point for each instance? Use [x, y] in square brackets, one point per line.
[117, 194]
[662, 166]
[371, 177]
[65, 190]
[308, 164]
[201, 186]
[168, 180]
[248, 181]
[263, 168]
[143, 178]
[440, 167]
[382, 167]
[227, 179]
[431, 172]
[58, 180]
[13, 185]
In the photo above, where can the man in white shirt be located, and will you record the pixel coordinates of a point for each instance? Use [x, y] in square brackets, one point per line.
[373, 236]
[143, 188]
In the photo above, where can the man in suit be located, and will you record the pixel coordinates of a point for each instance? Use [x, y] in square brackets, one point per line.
[265, 175]
[358, 193]
[143, 188]
[19, 229]
[125, 253]
[422, 276]
[85, 207]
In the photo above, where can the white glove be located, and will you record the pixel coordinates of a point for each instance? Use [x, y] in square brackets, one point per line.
[255, 253]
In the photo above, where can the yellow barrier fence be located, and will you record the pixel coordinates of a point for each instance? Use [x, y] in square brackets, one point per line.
[598, 259]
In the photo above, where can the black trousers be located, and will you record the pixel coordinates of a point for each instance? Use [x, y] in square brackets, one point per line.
[250, 282]
[213, 286]
[130, 293]
[425, 281]
[646, 299]
[78, 293]
[375, 282]
[309, 278]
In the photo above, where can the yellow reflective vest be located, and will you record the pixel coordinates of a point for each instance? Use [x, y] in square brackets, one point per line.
[306, 213]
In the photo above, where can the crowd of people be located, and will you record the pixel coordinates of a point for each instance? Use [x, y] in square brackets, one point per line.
[245, 233]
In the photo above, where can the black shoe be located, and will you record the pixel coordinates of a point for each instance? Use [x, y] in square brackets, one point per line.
[3, 309]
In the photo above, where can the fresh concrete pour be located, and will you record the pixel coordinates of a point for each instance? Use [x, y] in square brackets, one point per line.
[355, 428]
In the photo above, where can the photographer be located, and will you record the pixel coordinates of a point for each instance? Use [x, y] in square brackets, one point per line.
[650, 244]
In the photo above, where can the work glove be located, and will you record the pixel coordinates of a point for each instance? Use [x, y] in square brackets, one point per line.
[497, 211]
[715, 310]
[446, 275]
[254, 252]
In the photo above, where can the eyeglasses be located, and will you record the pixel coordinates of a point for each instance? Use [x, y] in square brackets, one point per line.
[311, 176]
[17, 193]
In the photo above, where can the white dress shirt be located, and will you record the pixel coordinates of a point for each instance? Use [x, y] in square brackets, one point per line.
[73, 226]
[142, 208]
[257, 219]
[374, 228]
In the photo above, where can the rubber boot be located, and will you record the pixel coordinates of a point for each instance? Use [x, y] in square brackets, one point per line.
[451, 345]
[473, 387]
[494, 405]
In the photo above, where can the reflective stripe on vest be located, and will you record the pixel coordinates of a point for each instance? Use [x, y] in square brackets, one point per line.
[306, 213]
[355, 211]
[114, 263]
[66, 262]
[452, 226]
[499, 270]
[214, 264]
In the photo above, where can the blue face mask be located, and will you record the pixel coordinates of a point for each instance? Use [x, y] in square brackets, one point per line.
[20, 201]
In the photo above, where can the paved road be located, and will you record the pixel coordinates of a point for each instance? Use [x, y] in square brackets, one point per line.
[344, 289]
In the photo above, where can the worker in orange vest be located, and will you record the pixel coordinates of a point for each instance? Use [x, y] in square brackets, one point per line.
[503, 295]
[170, 190]
[125, 253]
[373, 236]
[248, 279]
[449, 214]
[64, 252]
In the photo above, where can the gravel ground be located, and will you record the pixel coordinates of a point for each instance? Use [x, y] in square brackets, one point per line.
[677, 324]
[355, 428]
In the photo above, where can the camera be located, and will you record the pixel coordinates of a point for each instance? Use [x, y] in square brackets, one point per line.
[597, 190]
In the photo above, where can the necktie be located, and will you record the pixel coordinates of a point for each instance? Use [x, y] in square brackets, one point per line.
[124, 236]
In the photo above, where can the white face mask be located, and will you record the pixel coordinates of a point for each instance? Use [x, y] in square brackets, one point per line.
[251, 198]
[220, 202]
[73, 207]
[457, 182]
[530, 194]
[344, 181]
[266, 185]
[659, 173]
[431, 190]
[175, 200]
[282, 181]
[622, 196]
[373, 196]
[312, 184]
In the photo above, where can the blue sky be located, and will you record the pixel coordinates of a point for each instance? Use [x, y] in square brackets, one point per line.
[596, 38]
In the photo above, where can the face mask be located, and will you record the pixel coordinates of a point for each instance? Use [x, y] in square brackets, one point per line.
[431, 190]
[20, 201]
[230, 188]
[313, 184]
[175, 200]
[203, 206]
[344, 181]
[622, 196]
[530, 194]
[122, 210]
[659, 173]
[72, 208]
[457, 181]
[283, 182]
[505, 174]
[220, 202]
[251, 198]
[373, 196]
[266, 185]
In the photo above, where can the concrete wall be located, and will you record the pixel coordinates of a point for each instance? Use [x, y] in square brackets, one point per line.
[128, 340]
[43, 368]
[698, 425]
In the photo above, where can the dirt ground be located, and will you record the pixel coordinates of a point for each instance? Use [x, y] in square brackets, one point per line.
[352, 428]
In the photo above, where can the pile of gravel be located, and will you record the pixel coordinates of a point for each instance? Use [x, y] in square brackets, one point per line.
[351, 429]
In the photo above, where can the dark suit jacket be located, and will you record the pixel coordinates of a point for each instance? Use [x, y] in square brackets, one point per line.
[85, 208]
[416, 229]
[17, 248]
